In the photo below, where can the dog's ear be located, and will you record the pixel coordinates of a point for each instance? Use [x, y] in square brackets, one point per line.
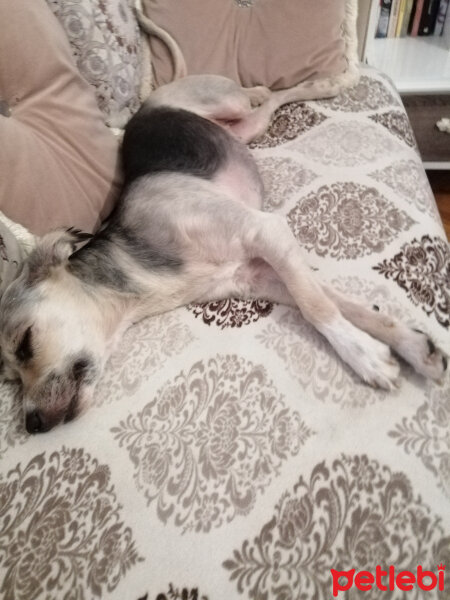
[53, 250]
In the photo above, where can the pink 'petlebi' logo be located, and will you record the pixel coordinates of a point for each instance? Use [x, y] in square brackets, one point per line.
[388, 580]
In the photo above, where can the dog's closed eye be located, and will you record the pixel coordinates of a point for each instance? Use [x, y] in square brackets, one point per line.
[24, 351]
[80, 368]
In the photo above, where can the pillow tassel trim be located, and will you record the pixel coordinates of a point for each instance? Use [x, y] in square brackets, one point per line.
[145, 58]
[25, 238]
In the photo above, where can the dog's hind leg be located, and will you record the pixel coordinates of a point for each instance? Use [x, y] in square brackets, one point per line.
[252, 125]
[244, 112]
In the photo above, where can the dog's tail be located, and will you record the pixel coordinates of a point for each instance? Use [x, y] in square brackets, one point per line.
[151, 28]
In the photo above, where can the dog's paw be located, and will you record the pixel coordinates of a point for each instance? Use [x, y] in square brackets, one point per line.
[376, 366]
[369, 358]
[258, 95]
[421, 353]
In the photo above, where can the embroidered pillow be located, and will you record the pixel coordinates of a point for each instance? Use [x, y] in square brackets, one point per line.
[277, 43]
[105, 41]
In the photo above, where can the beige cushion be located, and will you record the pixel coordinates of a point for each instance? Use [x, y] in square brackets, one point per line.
[58, 160]
[277, 43]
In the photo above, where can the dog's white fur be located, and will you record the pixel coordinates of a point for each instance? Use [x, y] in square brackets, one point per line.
[228, 247]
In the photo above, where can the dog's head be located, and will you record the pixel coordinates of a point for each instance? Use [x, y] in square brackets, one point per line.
[50, 339]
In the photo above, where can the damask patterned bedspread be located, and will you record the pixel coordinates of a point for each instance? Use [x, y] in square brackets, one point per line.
[230, 453]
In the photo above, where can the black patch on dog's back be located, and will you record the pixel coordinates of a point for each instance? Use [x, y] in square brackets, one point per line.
[168, 139]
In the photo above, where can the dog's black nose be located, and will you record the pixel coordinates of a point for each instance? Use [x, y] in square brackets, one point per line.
[33, 422]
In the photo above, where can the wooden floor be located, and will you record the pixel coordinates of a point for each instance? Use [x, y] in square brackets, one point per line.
[440, 183]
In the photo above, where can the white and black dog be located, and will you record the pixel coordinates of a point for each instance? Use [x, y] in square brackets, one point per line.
[187, 228]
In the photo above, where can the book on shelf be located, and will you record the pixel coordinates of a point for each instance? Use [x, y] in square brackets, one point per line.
[395, 9]
[409, 4]
[428, 19]
[440, 19]
[399, 18]
[401, 15]
[383, 20]
[416, 17]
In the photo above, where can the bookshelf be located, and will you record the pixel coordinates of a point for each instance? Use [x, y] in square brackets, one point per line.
[416, 64]
[419, 66]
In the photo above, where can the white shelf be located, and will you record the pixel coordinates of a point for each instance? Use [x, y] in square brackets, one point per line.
[437, 165]
[416, 64]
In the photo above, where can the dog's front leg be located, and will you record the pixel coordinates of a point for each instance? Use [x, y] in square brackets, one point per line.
[268, 237]
[413, 345]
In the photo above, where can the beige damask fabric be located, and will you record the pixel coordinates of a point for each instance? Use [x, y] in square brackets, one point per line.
[231, 454]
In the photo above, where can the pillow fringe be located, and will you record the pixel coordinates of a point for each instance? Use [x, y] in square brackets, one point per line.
[25, 238]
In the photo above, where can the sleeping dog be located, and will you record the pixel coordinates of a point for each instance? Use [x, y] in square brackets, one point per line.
[187, 228]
